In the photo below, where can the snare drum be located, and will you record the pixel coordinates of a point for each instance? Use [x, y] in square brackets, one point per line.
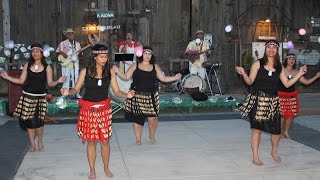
[192, 81]
[124, 86]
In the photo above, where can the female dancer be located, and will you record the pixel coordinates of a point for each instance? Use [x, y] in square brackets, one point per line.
[145, 104]
[32, 106]
[262, 104]
[94, 121]
[289, 103]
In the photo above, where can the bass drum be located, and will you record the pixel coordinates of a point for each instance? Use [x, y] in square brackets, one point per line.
[193, 82]
[124, 86]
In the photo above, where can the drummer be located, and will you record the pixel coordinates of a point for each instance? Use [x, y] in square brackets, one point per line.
[195, 52]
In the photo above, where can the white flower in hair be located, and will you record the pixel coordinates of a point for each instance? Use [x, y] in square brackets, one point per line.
[46, 53]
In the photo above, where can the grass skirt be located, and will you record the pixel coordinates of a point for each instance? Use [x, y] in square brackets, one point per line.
[31, 111]
[142, 106]
[263, 111]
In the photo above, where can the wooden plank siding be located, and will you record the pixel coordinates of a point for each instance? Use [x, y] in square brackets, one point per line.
[168, 27]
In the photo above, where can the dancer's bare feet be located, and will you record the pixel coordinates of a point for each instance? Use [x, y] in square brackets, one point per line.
[92, 175]
[40, 147]
[286, 135]
[257, 162]
[32, 149]
[108, 173]
[276, 157]
[152, 140]
[138, 142]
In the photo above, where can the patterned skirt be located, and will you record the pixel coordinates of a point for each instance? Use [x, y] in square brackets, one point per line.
[289, 103]
[94, 122]
[142, 106]
[264, 112]
[31, 110]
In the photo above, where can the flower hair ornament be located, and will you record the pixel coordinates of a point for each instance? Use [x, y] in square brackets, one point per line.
[38, 48]
[148, 50]
[138, 51]
[272, 43]
[291, 56]
[45, 49]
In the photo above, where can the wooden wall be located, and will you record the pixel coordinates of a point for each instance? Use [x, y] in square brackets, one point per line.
[169, 26]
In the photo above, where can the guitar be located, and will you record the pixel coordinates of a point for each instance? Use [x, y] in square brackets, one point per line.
[193, 56]
[93, 39]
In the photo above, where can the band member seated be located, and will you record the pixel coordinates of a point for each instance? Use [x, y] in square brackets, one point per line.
[196, 53]
[128, 47]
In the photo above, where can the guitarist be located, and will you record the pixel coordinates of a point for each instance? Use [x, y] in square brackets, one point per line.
[69, 48]
[196, 54]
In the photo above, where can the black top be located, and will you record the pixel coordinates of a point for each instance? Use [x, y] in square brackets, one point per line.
[284, 89]
[94, 92]
[265, 83]
[144, 81]
[36, 82]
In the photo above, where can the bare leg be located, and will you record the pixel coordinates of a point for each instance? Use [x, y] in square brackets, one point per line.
[255, 142]
[105, 154]
[275, 140]
[39, 132]
[137, 132]
[32, 136]
[91, 155]
[287, 127]
[153, 124]
[283, 126]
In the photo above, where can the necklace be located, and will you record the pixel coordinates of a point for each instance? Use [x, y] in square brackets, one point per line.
[99, 82]
[269, 70]
[290, 72]
[36, 67]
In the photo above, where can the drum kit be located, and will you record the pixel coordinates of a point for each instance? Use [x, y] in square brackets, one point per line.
[193, 82]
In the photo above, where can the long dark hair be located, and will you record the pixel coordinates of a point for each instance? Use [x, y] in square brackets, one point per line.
[31, 60]
[92, 70]
[277, 64]
[285, 62]
[153, 58]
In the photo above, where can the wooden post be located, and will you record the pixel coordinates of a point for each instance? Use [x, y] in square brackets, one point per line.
[6, 19]
[195, 19]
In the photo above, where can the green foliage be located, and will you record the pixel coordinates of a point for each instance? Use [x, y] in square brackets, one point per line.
[248, 62]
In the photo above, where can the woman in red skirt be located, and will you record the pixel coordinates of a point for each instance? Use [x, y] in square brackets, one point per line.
[289, 103]
[94, 122]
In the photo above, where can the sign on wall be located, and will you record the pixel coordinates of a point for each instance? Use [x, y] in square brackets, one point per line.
[103, 13]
